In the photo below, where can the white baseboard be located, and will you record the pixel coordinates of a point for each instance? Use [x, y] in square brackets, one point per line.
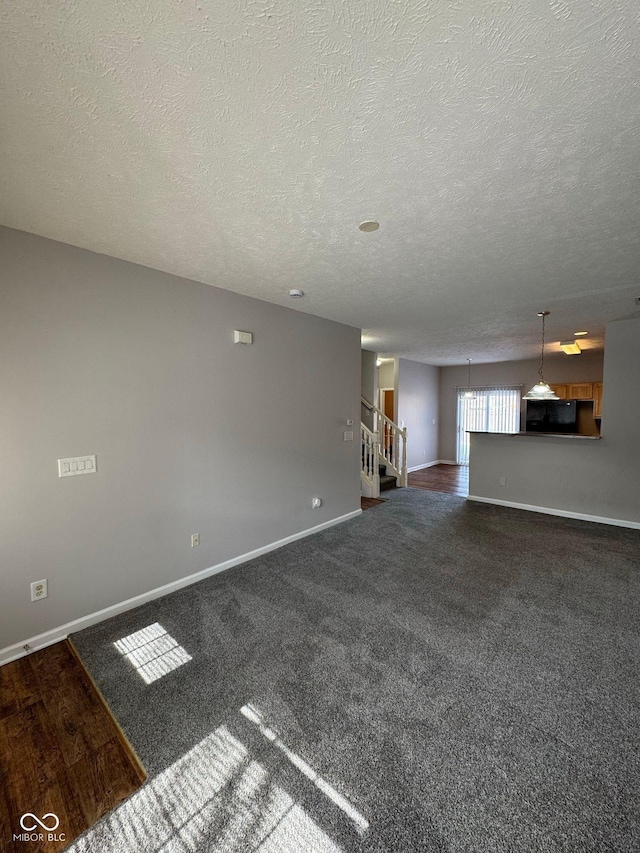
[54, 635]
[422, 467]
[598, 519]
[431, 464]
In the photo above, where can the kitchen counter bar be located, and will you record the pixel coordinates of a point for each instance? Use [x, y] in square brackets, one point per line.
[534, 434]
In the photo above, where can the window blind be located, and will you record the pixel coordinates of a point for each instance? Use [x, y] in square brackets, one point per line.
[494, 409]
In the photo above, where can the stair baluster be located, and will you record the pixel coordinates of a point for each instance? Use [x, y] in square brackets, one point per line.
[387, 446]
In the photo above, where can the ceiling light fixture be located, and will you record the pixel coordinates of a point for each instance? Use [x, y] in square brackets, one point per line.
[468, 394]
[541, 390]
[369, 225]
[570, 347]
[579, 334]
[295, 293]
[378, 362]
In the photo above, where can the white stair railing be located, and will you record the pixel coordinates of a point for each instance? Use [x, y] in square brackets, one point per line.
[391, 445]
[370, 471]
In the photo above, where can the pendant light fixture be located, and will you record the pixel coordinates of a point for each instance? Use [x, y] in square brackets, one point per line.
[541, 390]
[468, 394]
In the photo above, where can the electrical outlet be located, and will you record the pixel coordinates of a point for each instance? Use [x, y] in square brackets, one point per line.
[195, 539]
[503, 481]
[39, 590]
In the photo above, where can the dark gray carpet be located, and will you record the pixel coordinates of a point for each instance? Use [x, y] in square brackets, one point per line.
[460, 677]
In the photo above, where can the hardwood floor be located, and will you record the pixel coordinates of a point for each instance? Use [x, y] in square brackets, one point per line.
[61, 752]
[369, 503]
[452, 479]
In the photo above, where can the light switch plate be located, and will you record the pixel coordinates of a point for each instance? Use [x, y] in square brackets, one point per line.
[76, 465]
[240, 337]
[348, 435]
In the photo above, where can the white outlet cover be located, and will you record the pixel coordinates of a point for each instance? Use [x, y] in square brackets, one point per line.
[39, 589]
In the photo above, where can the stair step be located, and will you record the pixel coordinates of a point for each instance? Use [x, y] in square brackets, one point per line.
[387, 482]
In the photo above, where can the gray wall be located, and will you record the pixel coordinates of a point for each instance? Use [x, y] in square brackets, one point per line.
[386, 374]
[368, 385]
[193, 433]
[418, 408]
[590, 477]
[559, 368]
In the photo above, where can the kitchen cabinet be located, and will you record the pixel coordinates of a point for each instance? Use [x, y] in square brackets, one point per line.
[597, 399]
[580, 391]
[560, 391]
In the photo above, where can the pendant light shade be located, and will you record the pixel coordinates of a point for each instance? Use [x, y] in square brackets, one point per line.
[541, 390]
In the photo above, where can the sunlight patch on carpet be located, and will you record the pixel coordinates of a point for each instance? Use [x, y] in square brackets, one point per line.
[153, 652]
[252, 713]
[216, 795]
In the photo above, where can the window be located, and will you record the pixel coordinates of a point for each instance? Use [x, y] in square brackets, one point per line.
[491, 409]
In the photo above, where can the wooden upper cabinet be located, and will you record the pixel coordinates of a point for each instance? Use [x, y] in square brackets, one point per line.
[580, 391]
[560, 391]
[597, 399]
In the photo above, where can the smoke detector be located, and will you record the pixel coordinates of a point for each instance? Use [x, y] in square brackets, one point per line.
[295, 293]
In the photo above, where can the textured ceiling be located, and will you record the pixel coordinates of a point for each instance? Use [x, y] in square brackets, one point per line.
[240, 143]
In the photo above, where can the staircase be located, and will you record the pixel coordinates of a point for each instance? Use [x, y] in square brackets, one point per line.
[384, 454]
[387, 481]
